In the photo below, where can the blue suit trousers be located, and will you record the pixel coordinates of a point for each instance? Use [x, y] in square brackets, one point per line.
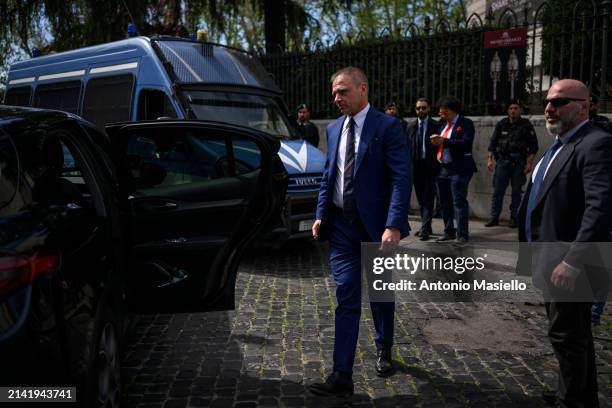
[345, 262]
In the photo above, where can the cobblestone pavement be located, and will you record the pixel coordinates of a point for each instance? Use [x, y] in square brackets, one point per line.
[280, 339]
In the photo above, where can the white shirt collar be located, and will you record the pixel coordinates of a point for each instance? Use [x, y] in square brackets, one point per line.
[359, 118]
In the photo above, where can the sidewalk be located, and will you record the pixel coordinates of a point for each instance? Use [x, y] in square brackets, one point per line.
[500, 242]
[478, 232]
[280, 339]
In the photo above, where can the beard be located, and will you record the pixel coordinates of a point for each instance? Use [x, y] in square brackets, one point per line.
[563, 124]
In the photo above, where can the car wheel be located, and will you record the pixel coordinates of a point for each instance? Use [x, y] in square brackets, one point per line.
[104, 379]
[107, 368]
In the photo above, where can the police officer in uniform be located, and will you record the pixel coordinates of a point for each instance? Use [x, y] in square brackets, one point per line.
[513, 147]
[392, 109]
[307, 130]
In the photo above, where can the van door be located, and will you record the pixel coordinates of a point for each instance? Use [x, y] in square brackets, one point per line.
[191, 206]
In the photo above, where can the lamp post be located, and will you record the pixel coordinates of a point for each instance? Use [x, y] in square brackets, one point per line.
[513, 69]
[495, 70]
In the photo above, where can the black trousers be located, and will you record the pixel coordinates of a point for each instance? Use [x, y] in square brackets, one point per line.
[424, 180]
[572, 340]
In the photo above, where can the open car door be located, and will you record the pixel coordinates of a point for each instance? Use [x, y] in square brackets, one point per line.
[194, 194]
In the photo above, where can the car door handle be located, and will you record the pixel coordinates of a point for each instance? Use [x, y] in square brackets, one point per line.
[167, 205]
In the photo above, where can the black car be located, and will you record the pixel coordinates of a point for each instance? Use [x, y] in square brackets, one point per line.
[150, 217]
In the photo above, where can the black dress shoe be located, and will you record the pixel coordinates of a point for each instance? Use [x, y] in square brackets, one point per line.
[336, 385]
[550, 396]
[418, 233]
[492, 222]
[446, 237]
[424, 236]
[461, 241]
[384, 364]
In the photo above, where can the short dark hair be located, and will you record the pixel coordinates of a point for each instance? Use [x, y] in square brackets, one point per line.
[514, 102]
[423, 99]
[594, 98]
[390, 105]
[356, 74]
[302, 106]
[450, 102]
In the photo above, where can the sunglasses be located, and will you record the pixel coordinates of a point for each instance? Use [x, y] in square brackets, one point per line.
[421, 108]
[559, 102]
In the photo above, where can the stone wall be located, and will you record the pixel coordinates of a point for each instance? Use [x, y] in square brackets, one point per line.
[481, 188]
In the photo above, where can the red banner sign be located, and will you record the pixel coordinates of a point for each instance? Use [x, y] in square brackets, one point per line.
[512, 37]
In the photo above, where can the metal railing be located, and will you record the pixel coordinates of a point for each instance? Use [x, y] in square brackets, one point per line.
[566, 39]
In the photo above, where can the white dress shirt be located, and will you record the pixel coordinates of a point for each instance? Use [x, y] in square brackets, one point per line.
[359, 119]
[422, 140]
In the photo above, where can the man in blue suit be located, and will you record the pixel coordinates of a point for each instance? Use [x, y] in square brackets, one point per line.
[454, 153]
[364, 197]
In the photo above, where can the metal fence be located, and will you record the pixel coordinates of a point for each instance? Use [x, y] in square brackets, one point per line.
[566, 39]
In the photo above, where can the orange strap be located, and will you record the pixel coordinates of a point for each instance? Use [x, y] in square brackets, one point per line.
[445, 135]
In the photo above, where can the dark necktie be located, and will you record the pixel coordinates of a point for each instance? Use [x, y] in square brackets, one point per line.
[422, 139]
[537, 183]
[348, 194]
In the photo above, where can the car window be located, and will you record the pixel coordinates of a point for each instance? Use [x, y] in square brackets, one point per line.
[246, 155]
[11, 199]
[158, 159]
[41, 176]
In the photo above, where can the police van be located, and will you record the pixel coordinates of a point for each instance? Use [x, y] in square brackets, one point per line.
[142, 78]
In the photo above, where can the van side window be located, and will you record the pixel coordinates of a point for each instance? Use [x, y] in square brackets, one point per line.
[153, 104]
[108, 99]
[59, 95]
[18, 96]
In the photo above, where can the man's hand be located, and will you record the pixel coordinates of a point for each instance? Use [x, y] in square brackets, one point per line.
[490, 164]
[315, 229]
[390, 239]
[564, 277]
[528, 167]
[436, 139]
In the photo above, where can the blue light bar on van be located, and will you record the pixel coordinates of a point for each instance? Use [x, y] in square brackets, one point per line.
[132, 30]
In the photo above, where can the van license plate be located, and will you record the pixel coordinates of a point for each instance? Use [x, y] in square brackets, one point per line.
[305, 225]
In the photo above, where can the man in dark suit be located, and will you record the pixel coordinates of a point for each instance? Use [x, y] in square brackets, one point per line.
[425, 165]
[568, 200]
[363, 198]
[454, 153]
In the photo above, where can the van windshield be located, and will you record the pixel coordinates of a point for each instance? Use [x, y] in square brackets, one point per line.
[254, 111]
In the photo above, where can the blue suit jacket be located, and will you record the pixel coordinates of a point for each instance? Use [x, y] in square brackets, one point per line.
[460, 145]
[382, 175]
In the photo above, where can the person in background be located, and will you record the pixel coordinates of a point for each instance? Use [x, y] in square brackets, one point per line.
[512, 149]
[454, 153]
[424, 163]
[308, 130]
[392, 109]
